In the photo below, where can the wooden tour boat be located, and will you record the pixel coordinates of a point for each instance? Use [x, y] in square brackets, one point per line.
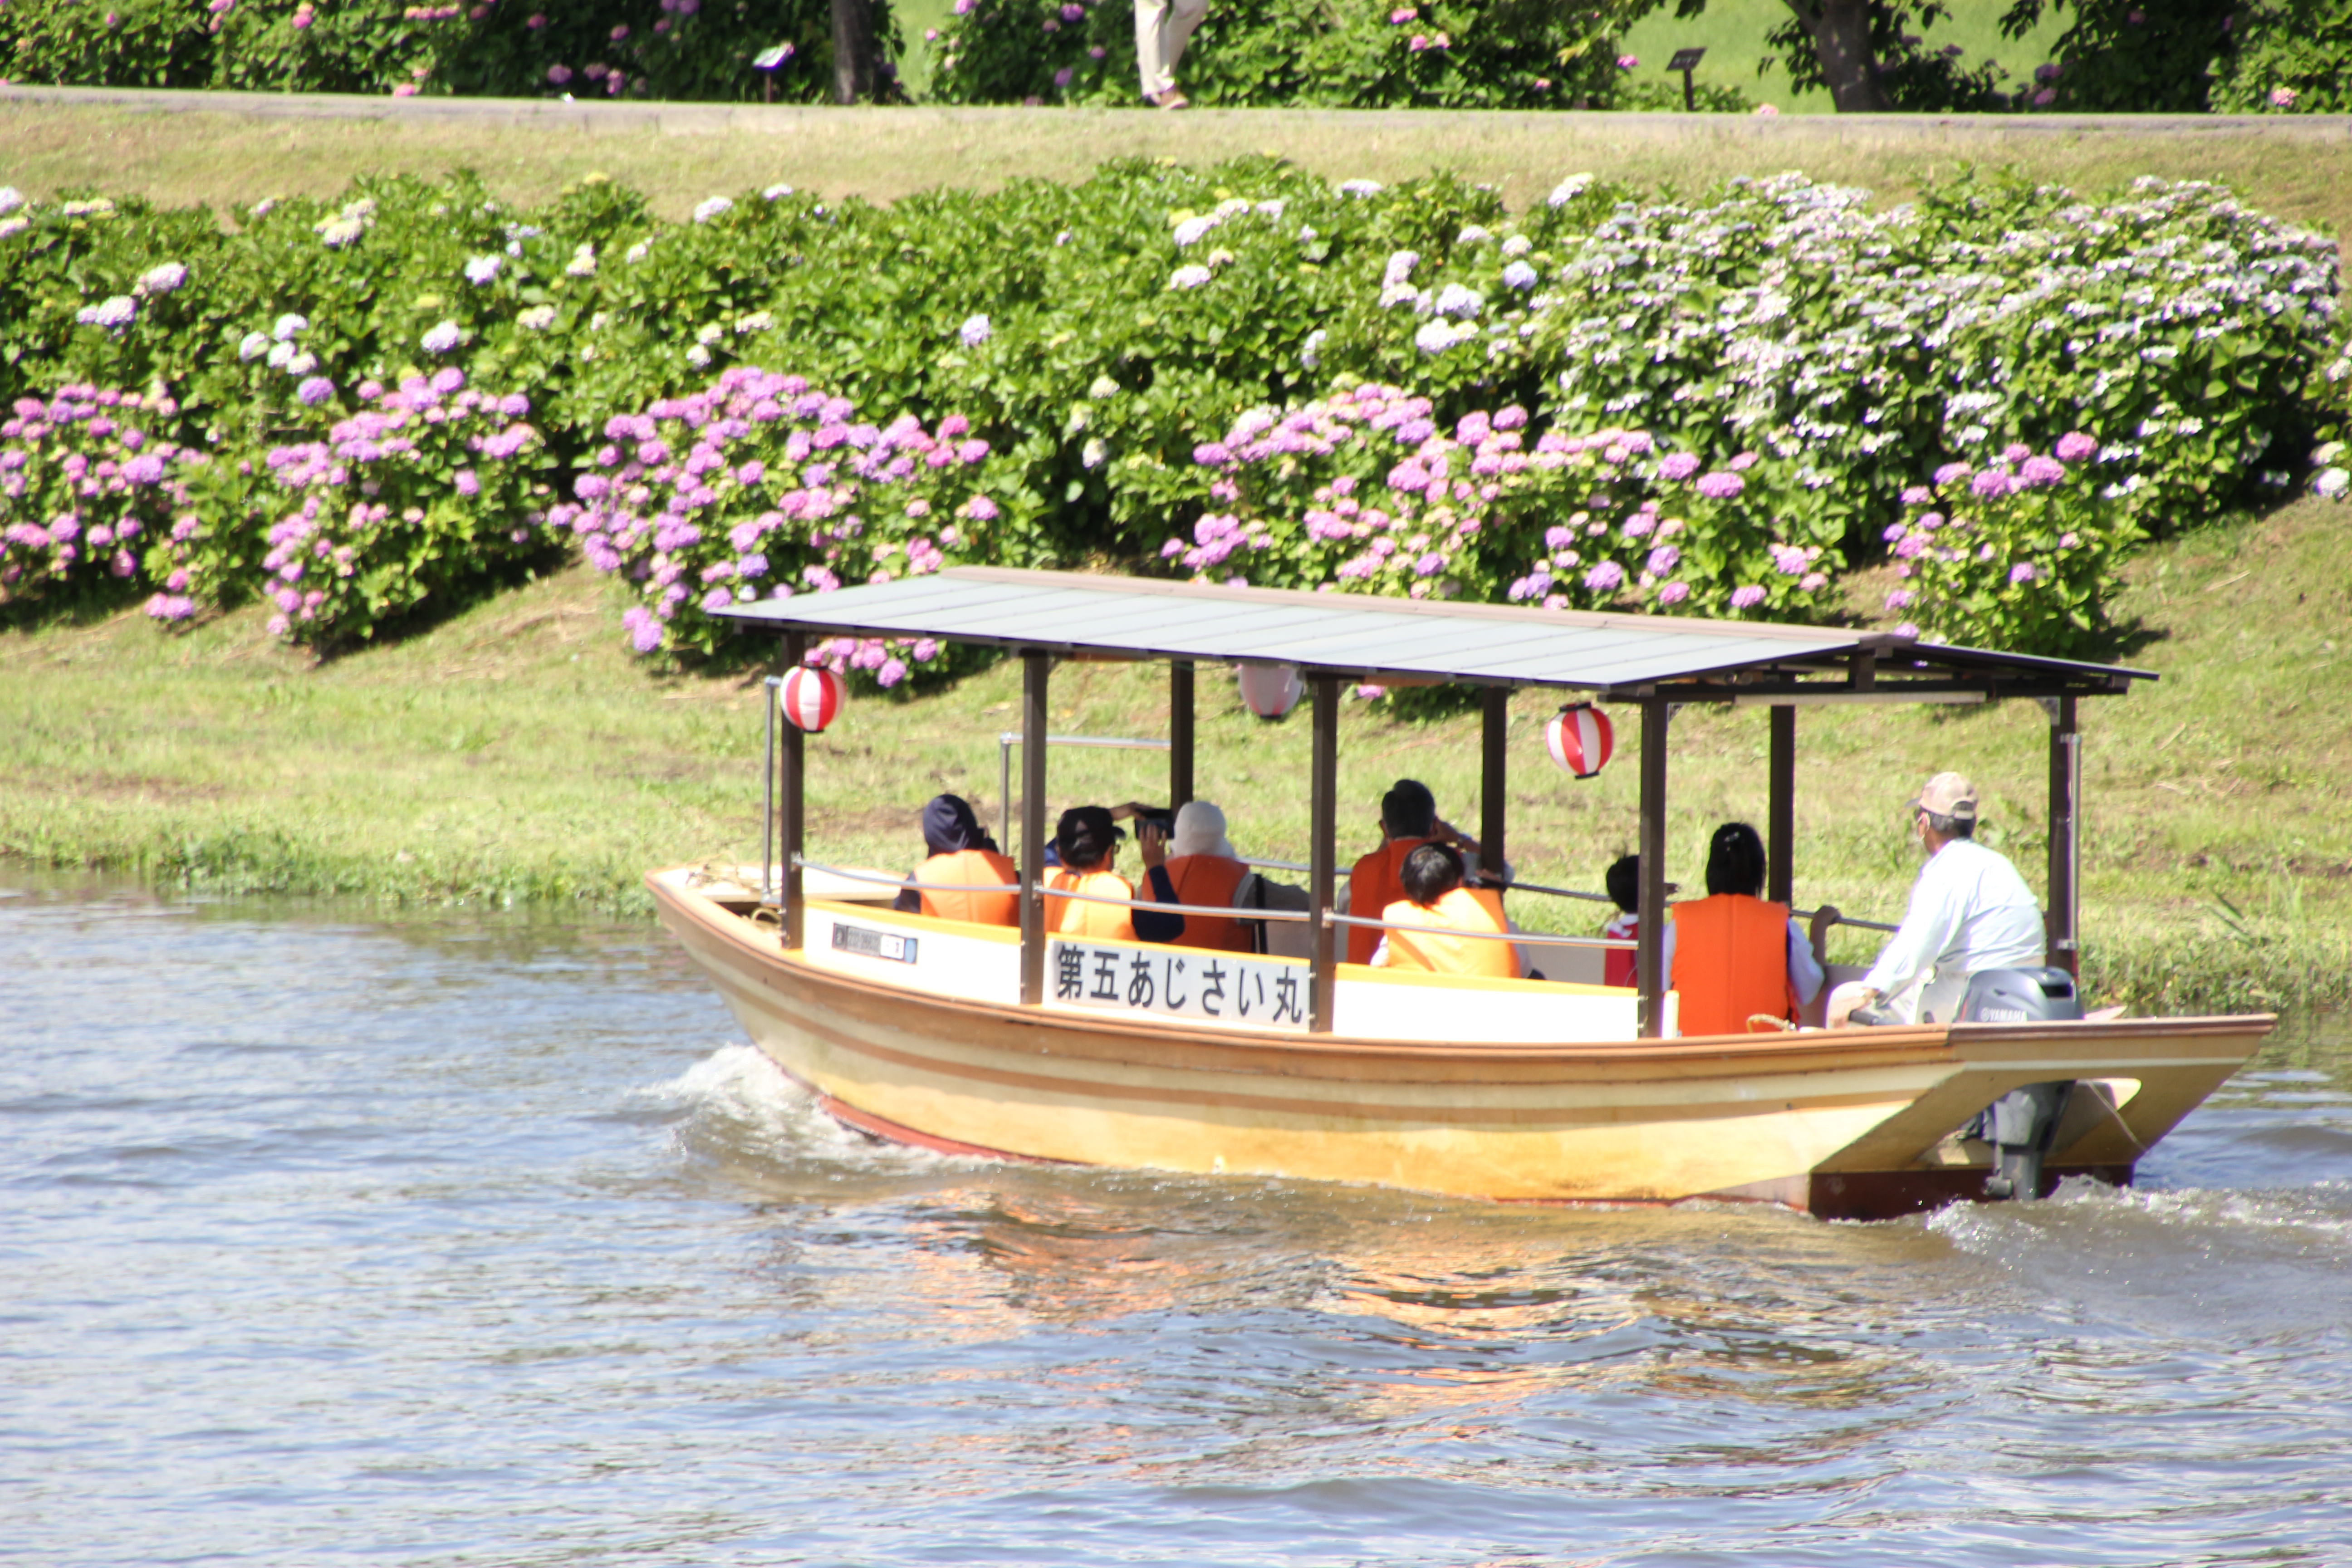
[1020, 1044]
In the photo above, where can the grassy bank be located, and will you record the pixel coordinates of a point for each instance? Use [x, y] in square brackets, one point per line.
[516, 752]
[231, 159]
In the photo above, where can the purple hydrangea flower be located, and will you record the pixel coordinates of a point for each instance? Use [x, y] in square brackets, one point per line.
[1664, 560]
[114, 314]
[1992, 484]
[2041, 471]
[1721, 486]
[1952, 472]
[1673, 593]
[484, 269]
[1605, 578]
[314, 391]
[2021, 572]
[1678, 466]
[1746, 597]
[1518, 275]
[441, 339]
[2075, 447]
[975, 330]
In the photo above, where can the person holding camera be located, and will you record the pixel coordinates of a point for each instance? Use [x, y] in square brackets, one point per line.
[1085, 842]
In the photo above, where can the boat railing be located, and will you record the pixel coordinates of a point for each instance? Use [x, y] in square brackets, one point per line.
[1517, 886]
[805, 864]
[1539, 938]
[1235, 912]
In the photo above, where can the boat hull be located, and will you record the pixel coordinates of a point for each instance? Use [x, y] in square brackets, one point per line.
[1851, 1123]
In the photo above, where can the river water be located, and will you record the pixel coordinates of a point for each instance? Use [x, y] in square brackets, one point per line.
[441, 1241]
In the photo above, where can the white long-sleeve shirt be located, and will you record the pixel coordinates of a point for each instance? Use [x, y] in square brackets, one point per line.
[1970, 911]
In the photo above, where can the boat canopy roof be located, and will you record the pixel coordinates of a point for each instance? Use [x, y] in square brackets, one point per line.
[1392, 641]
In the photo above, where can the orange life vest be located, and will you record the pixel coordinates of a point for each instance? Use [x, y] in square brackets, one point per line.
[970, 867]
[1460, 908]
[1376, 882]
[1074, 917]
[1731, 960]
[1210, 881]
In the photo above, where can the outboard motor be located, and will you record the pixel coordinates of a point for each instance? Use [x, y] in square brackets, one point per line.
[2021, 1123]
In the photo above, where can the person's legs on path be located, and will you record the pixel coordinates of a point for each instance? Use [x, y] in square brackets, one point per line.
[1162, 28]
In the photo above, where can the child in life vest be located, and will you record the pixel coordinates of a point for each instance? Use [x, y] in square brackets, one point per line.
[1461, 923]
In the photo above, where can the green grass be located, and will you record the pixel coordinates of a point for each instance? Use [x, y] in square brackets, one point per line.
[516, 752]
[1733, 33]
[228, 160]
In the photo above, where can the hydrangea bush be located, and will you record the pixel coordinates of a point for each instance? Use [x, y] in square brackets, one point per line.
[430, 486]
[518, 48]
[1364, 491]
[1780, 336]
[759, 486]
[2022, 553]
[86, 491]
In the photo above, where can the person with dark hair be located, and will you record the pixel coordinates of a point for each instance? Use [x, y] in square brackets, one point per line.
[1731, 956]
[1970, 911]
[962, 855]
[1623, 880]
[1408, 819]
[1435, 896]
[1087, 842]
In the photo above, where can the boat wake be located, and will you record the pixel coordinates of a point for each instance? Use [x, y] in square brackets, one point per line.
[2262, 1259]
[737, 1109]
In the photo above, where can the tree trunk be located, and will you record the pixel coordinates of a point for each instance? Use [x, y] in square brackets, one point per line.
[853, 51]
[1841, 33]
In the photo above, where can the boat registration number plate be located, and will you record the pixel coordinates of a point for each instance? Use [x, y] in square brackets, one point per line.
[1182, 982]
[867, 942]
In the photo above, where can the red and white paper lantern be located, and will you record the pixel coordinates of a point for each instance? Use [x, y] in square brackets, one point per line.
[1271, 690]
[1579, 738]
[809, 697]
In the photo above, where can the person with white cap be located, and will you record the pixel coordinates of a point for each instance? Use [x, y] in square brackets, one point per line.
[1205, 872]
[1970, 911]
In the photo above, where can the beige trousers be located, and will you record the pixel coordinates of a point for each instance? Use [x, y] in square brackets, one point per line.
[1162, 28]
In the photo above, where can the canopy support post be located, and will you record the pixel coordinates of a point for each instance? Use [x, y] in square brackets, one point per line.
[1179, 734]
[791, 758]
[1649, 955]
[1780, 821]
[1494, 778]
[2065, 838]
[1323, 832]
[1035, 668]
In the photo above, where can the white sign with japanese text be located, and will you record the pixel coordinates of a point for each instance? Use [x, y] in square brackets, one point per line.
[1177, 982]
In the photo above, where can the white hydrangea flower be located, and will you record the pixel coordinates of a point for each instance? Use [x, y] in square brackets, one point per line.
[1103, 387]
[1457, 302]
[583, 261]
[1190, 278]
[757, 322]
[775, 193]
[302, 364]
[1311, 352]
[1092, 455]
[1359, 187]
[638, 251]
[11, 198]
[252, 346]
[12, 226]
[698, 357]
[1472, 234]
[281, 355]
[1439, 335]
[287, 327]
[538, 319]
[2332, 483]
[1193, 230]
[1568, 190]
[710, 333]
[1517, 245]
[711, 207]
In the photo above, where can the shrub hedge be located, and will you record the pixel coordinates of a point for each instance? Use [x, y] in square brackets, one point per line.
[407, 389]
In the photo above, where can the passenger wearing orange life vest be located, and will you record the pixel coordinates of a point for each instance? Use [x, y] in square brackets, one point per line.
[1732, 956]
[1207, 874]
[1435, 896]
[963, 857]
[1408, 820]
[1087, 842]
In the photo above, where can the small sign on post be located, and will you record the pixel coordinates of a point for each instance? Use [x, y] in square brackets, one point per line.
[1686, 61]
[767, 62]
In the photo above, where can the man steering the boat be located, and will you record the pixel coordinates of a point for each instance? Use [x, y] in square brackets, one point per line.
[1970, 911]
